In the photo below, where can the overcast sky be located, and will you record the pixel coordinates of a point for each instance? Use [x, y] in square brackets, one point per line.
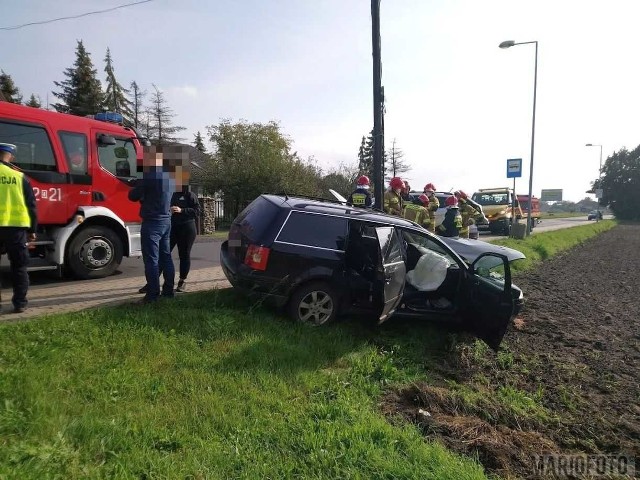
[457, 105]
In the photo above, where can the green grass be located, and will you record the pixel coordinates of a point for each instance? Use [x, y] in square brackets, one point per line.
[206, 387]
[541, 246]
[544, 215]
[211, 386]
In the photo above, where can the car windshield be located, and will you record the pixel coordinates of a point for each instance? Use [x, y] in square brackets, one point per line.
[491, 198]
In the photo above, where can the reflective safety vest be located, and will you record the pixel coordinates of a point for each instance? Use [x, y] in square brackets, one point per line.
[392, 203]
[13, 208]
[417, 213]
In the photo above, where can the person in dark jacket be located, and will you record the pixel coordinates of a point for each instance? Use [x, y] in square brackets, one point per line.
[185, 210]
[361, 197]
[18, 222]
[452, 222]
[154, 193]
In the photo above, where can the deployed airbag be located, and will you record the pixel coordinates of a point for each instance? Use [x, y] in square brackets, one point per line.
[430, 272]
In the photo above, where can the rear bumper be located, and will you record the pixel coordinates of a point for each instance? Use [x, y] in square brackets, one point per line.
[250, 281]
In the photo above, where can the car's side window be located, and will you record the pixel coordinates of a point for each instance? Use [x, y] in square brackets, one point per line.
[33, 147]
[314, 230]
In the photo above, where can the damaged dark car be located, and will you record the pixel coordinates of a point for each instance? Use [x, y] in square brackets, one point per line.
[323, 259]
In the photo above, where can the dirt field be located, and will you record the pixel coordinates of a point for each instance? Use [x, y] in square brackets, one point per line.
[569, 379]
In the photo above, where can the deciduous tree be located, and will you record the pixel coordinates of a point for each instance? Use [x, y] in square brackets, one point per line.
[620, 183]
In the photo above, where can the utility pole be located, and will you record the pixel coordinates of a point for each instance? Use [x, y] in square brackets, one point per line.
[378, 129]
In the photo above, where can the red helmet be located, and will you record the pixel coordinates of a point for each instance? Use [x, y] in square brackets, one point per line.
[451, 201]
[429, 187]
[424, 199]
[460, 194]
[396, 183]
[363, 180]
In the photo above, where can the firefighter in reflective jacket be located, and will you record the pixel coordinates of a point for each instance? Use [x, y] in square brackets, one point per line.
[361, 197]
[434, 204]
[417, 212]
[18, 223]
[467, 212]
[452, 222]
[392, 197]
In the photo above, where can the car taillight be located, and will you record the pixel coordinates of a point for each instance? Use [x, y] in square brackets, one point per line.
[257, 257]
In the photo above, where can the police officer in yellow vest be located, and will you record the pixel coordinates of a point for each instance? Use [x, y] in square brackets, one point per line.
[18, 223]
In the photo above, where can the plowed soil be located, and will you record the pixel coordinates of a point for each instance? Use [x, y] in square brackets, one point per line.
[574, 351]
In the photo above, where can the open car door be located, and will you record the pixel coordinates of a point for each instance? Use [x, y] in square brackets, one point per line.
[394, 271]
[490, 304]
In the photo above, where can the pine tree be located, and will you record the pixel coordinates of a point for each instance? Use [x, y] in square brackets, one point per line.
[81, 92]
[394, 162]
[161, 128]
[137, 109]
[199, 143]
[115, 99]
[10, 92]
[34, 102]
[365, 156]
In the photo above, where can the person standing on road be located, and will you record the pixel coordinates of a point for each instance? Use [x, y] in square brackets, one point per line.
[467, 212]
[392, 199]
[361, 197]
[452, 222]
[154, 193]
[434, 204]
[185, 209]
[18, 222]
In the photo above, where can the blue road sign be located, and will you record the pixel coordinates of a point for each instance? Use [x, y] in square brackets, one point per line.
[514, 167]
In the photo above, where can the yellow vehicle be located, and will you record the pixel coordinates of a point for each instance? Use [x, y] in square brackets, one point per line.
[498, 206]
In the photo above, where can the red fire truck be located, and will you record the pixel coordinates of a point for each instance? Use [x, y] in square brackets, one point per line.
[81, 170]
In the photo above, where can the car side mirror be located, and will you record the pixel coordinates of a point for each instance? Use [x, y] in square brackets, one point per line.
[104, 140]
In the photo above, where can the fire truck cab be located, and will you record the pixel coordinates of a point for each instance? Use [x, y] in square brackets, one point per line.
[81, 170]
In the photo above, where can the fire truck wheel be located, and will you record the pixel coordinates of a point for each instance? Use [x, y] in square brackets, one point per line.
[95, 252]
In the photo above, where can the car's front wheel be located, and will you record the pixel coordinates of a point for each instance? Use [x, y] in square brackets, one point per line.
[314, 303]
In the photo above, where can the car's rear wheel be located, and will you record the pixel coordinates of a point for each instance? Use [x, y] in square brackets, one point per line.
[314, 303]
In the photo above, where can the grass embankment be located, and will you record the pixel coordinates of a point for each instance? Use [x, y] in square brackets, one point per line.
[211, 386]
[208, 386]
[544, 215]
[542, 246]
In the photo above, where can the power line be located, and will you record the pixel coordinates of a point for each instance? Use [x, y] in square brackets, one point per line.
[15, 27]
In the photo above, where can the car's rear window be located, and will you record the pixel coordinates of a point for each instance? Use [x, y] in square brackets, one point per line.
[314, 230]
[254, 220]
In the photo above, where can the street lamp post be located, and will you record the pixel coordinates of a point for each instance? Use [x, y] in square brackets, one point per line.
[509, 44]
[599, 176]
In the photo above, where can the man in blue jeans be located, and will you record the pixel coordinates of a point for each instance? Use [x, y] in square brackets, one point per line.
[154, 192]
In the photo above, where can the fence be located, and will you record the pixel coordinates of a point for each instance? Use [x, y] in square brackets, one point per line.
[216, 214]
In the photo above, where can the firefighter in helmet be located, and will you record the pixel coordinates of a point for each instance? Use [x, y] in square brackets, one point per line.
[434, 204]
[361, 196]
[467, 212]
[417, 212]
[393, 197]
[452, 222]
